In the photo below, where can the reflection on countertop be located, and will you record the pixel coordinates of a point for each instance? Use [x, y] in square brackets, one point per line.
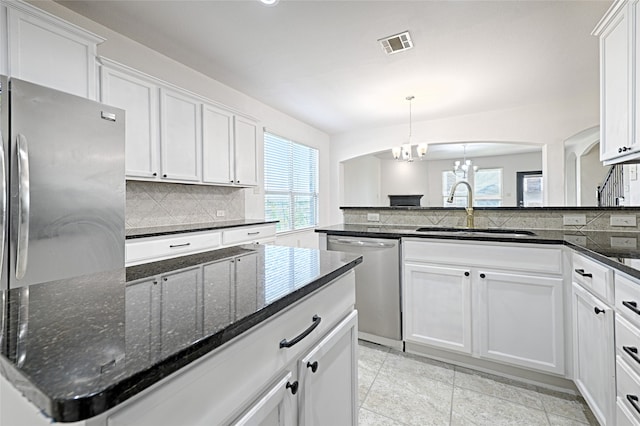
[78, 347]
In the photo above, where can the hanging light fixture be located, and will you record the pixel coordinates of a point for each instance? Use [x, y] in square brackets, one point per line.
[465, 166]
[404, 151]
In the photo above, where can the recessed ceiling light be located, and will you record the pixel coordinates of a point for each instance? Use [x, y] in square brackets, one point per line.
[269, 2]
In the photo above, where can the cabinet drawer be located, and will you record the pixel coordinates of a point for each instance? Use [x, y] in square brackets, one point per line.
[593, 276]
[520, 257]
[158, 248]
[628, 343]
[248, 234]
[628, 299]
[628, 389]
[624, 416]
[214, 389]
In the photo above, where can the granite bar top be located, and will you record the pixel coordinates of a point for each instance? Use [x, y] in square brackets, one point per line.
[78, 347]
[191, 227]
[501, 208]
[618, 249]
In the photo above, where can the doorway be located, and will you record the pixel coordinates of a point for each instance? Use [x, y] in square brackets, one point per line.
[529, 188]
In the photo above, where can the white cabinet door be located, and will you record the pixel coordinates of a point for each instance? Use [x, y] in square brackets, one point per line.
[615, 86]
[179, 323]
[594, 351]
[634, 10]
[139, 98]
[328, 378]
[217, 145]
[246, 152]
[437, 306]
[276, 407]
[50, 52]
[180, 136]
[521, 320]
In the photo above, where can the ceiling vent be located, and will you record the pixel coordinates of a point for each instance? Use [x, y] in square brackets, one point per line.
[396, 43]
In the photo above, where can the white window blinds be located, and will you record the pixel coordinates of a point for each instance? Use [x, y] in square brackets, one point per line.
[290, 183]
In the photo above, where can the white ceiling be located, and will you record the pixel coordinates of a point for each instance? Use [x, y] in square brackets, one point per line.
[320, 62]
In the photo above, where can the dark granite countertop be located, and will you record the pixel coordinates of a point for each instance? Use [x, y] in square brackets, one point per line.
[501, 208]
[77, 347]
[191, 227]
[618, 249]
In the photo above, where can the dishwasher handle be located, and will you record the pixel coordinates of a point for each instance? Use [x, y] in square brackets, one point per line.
[359, 243]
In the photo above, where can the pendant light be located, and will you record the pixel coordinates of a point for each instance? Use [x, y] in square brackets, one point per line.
[404, 151]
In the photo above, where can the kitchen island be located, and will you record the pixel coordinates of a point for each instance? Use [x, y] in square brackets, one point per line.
[215, 332]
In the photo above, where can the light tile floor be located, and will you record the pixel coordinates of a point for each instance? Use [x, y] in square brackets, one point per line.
[397, 389]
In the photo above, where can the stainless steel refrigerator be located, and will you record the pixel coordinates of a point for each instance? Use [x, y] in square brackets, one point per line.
[62, 188]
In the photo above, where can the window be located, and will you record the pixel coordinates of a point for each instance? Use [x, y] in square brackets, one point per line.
[487, 188]
[290, 183]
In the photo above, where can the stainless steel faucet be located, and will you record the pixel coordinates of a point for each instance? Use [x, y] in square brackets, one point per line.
[469, 207]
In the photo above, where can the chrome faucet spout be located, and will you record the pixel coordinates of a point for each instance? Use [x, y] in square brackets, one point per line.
[469, 207]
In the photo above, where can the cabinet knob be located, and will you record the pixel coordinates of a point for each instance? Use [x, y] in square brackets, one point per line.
[164, 176]
[237, 181]
[293, 386]
[313, 366]
[598, 310]
[155, 282]
[164, 279]
[231, 181]
[619, 150]
[483, 276]
[466, 274]
[155, 174]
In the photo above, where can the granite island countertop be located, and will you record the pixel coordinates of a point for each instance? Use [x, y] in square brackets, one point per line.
[155, 231]
[76, 348]
[618, 249]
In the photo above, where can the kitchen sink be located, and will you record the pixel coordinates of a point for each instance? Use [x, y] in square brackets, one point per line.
[477, 231]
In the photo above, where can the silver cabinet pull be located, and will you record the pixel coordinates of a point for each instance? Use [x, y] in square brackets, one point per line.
[3, 202]
[179, 245]
[253, 233]
[24, 199]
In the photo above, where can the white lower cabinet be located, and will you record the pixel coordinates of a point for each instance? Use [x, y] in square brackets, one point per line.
[325, 390]
[594, 353]
[508, 314]
[521, 320]
[276, 407]
[328, 378]
[253, 379]
[438, 306]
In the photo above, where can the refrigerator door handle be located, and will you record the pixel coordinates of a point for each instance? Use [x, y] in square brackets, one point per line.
[3, 203]
[23, 207]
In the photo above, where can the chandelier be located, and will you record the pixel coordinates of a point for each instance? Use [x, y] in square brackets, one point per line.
[465, 166]
[404, 151]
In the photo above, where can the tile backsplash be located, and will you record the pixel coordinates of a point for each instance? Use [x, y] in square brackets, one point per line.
[157, 204]
[595, 220]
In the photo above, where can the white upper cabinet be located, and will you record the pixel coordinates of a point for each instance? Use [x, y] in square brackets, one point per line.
[229, 148]
[246, 148]
[46, 50]
[619, 116]
[139, 98]
[217, 145]
[180, 136]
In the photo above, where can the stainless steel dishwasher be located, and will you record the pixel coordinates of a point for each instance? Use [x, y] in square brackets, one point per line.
[377, 287]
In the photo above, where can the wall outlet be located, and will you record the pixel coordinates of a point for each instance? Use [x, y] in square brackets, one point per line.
[574, 219]
[623, 220]
[373, 217]
[220, 213]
